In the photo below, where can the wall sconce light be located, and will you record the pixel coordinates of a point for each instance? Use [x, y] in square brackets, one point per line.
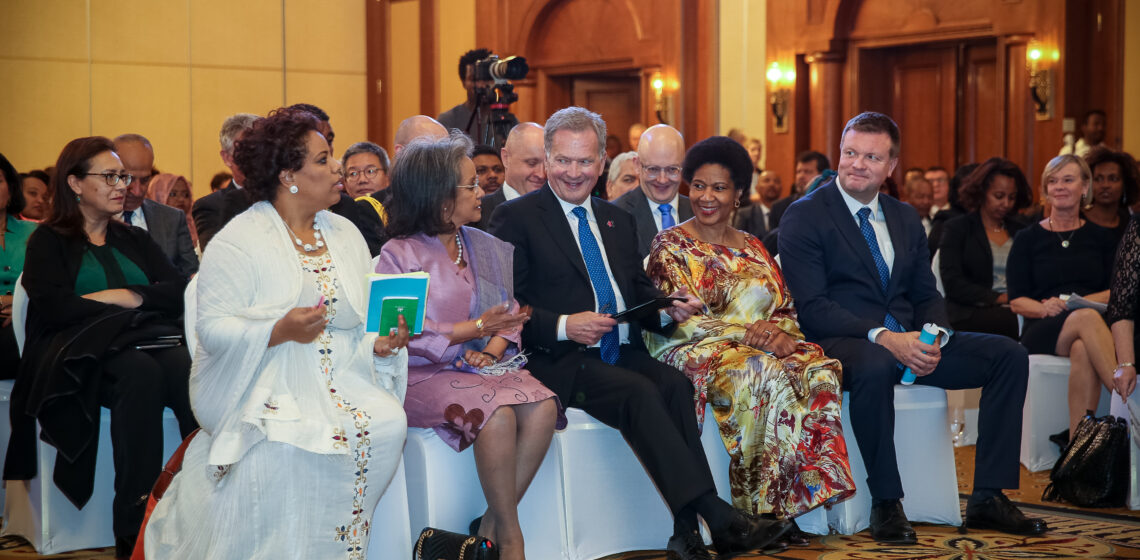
[662, 90]
[1039, 61]
[780, 93]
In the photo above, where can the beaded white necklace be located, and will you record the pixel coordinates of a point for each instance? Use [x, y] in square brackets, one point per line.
[459, 246]
[308, 247]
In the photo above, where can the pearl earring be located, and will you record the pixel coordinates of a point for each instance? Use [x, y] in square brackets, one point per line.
[293, 189]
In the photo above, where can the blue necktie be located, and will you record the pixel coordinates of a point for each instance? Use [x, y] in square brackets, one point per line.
[666, 216]
[607, 303]
[127, 216]
[880, 263]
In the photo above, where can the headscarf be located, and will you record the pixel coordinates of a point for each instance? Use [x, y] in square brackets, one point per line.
[159, 191]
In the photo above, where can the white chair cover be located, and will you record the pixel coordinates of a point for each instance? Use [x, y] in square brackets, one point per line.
[1046, 410]
[390, 523]
[37, 511]
[925, 459]
[443, 492]
[5, 424]
[611, 505]
[1130, 411]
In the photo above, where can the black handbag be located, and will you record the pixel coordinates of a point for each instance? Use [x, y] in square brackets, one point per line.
[437, 544]
[1093, 469]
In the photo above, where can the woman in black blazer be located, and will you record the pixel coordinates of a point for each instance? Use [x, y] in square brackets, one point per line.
[976, 245]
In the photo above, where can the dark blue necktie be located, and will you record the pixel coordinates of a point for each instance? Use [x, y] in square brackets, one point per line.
[607, 303]
[880, 263]
[127, 216]
[666, 216]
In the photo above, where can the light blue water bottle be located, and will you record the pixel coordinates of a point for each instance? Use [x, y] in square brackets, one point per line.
[927, 336]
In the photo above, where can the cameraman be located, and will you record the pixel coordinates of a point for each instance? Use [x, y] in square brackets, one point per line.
[460, 116]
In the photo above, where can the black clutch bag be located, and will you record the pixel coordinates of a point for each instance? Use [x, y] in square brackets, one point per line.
[437, 544]
[1093, 469]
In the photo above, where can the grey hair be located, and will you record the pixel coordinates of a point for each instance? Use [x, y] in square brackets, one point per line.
[232, 127]
[576, 119]
[424, 178]
[367, 148]
[615, 165]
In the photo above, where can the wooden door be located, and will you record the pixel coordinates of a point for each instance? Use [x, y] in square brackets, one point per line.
[981, 120]
[924, 100]
[616, 98]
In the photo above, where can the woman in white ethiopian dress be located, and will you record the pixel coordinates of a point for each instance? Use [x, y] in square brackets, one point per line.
[301, 415]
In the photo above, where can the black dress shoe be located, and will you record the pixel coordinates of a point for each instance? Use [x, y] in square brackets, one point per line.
[796, 537]
[999, 514]
[889, 524]
[687, 546]
[473, 528]
[749, 532]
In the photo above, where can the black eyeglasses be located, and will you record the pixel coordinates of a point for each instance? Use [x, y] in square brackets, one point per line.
[370, 173]
[113, 178]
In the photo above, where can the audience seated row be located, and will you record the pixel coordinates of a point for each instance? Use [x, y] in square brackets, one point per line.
[731, 338]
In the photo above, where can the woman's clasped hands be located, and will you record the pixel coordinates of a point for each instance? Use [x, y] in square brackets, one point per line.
[768, 337]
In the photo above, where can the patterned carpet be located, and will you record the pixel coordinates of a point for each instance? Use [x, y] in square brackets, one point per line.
[1075, 533]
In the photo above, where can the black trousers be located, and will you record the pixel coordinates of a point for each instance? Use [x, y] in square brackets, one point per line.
[995, 363]
[651, 404]
[136, 387]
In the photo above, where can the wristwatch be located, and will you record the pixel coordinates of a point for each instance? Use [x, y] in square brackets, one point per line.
[479, 325]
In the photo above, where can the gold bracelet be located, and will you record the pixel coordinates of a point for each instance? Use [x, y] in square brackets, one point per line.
[479, 325]
[1125, 364]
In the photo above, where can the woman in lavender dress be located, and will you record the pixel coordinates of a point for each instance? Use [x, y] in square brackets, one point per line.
[464, 379]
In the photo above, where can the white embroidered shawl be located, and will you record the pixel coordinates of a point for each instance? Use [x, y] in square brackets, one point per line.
[243, 392]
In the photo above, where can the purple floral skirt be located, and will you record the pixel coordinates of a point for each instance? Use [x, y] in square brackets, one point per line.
[457, 404]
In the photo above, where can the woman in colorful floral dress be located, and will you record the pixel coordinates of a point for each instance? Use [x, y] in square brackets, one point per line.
[775, 397]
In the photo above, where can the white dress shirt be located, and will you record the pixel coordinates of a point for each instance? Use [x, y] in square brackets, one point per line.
[567, 211]
[137, 218]
[509, 192]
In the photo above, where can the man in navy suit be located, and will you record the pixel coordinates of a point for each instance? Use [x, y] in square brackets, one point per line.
[656, 205]
[859, 268]
[576, 264]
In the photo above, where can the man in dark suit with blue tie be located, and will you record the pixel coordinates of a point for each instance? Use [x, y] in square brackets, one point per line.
[576, 264]
[858, 266]
[656, 205]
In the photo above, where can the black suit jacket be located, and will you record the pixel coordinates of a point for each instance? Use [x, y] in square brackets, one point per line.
[636, 203]
[778, 209]
[365, 219]
[551, 277]
[832, 275]
[966, 264]
[751, 219]
[213, 211]
[167, 227]
[489, 204]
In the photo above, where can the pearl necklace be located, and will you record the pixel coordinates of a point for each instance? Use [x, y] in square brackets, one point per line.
[459, 246]
[308, 247]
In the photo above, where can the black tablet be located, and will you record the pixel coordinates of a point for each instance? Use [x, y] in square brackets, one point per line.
[641, 311]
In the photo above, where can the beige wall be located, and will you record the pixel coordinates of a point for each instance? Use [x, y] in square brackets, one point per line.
[1132, 77]
[742, 25]
[173, 70]
[456, 34]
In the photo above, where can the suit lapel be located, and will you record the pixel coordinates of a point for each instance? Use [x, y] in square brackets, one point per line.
[558, 226]
[893, 215]
[643, 215]
[611, 240]
[684, 208]
[843, 220]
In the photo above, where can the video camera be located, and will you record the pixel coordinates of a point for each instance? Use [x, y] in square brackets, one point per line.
[492, 103]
